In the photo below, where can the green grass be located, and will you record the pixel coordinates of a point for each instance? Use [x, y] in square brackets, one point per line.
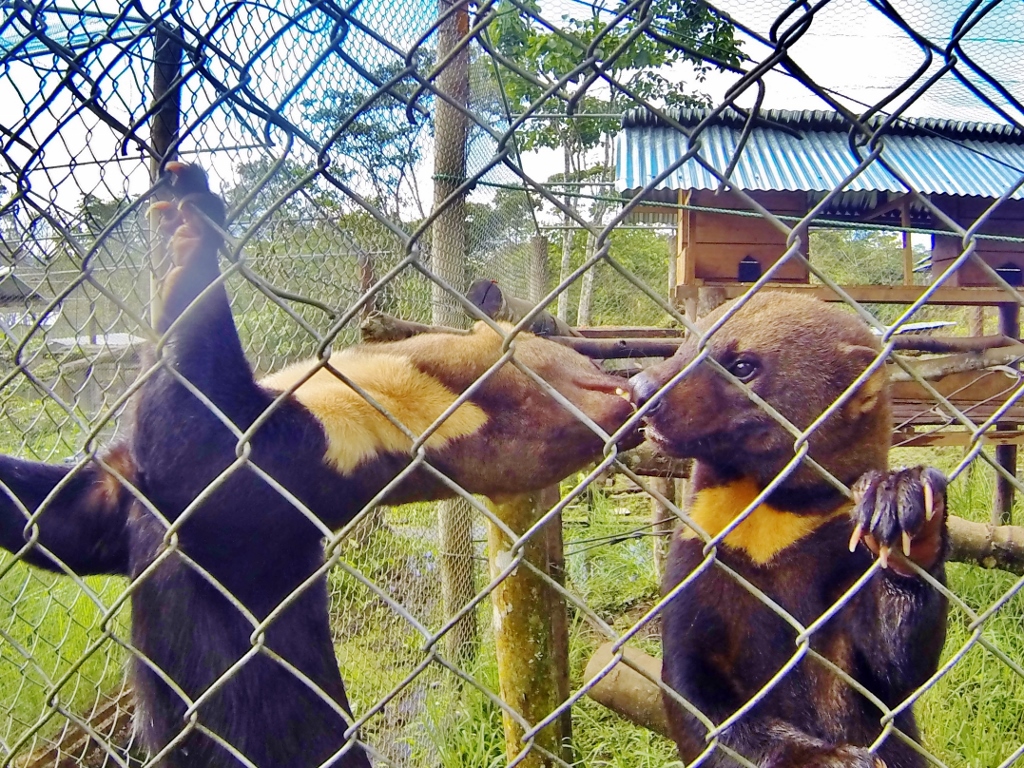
[972, 717]
[47, 627]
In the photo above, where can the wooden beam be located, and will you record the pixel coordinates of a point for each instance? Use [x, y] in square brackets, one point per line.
[876, 294]
[953, 437]
[908, 248]
[897, 203]
[1006, 453]
[630, 332]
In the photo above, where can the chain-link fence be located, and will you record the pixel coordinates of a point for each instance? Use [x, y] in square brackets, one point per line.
[626, 167]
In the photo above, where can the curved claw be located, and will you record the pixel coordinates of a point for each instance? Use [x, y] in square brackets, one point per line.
[883, 556]
[929, 500]
[906, 544]
[858, 533]
[160, 206]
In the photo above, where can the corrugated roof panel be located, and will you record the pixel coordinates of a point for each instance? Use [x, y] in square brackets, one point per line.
[826, 121]
[818, 162]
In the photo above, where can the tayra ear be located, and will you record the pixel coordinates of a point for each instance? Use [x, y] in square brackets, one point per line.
[486, 295]
[856, 358]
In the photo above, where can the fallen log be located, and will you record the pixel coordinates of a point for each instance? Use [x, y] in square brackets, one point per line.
[985, 545]
[627, 691]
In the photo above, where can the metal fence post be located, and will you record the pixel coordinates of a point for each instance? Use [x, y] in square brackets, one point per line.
[167, 57]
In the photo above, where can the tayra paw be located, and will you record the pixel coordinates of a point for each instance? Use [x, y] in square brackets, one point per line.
[802, 753]
[901, 515]
[192, 221]
[193, 214]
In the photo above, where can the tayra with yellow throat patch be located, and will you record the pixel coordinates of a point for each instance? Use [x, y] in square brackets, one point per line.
[804, 546]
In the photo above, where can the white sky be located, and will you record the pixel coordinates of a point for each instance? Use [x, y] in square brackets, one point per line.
[850, 48]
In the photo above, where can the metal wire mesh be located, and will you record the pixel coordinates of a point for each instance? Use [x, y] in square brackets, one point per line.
[382, 156]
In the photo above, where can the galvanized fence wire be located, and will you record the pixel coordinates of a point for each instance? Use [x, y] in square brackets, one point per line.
[328, 128]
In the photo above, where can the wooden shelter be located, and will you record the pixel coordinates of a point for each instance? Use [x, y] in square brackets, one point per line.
[790, 163]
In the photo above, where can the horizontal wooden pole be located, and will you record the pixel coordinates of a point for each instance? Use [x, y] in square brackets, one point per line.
[626, 691]
[982, 296]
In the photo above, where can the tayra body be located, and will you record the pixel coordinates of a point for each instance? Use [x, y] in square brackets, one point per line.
[722, 644]
[217, 503]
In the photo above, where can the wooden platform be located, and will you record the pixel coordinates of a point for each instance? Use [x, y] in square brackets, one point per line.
[871, 294]
[921, 421]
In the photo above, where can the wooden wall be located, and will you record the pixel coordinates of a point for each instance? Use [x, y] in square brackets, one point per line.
[712, 244]
[1008, 219]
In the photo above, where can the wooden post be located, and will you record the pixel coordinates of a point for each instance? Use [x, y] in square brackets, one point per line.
[448, 261]
[530, 631]
[685, 270]
[167, 55]
[663, 522]
[538, 278]
[908, 246]
[1006, 455]
[549, 497]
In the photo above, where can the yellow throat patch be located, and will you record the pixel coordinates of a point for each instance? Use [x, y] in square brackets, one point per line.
[764, 533]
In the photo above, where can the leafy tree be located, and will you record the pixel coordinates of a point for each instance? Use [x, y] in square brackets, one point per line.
[380, 144]
[274, 181]
[640, 54]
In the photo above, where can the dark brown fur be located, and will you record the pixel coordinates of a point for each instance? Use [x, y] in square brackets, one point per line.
[721, 644]
[246, 538]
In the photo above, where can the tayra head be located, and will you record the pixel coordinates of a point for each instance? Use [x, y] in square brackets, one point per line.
[508, 435]
[799, 355]
[528, 440]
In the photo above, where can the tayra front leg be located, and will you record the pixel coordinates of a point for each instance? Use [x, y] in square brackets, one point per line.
[194, 317]
[82, 527]
[192, 223]
[900, 517]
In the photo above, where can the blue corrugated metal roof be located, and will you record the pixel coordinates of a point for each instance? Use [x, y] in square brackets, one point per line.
[28, 36]
[818, 160]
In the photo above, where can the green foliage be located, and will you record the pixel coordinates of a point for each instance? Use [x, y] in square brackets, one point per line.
[540, 57]
[47, 626]
[616, 301]
[379, 143]
[868, 257]
[281, 186]
[873, 257]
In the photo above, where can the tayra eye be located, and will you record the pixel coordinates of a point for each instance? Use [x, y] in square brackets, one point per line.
[744, 370]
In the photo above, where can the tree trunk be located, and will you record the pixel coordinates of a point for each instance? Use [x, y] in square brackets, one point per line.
[531, 677]
[448, 262]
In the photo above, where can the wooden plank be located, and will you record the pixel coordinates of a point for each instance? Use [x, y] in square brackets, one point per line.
[719, 262]
[971, 296]
[685, 271]
[908, 248]
[630, 332]
[972, 387]
[734, 230]
[949, 437]
[920, 412]
[776, 202]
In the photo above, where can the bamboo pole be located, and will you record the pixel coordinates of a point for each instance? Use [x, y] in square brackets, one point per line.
[526, 630]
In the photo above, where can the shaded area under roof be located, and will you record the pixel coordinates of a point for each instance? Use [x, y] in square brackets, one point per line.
[810, 151]
[14, 289]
